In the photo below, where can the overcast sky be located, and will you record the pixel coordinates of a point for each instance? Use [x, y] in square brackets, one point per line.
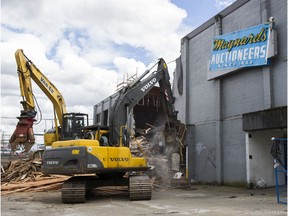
[85, 47]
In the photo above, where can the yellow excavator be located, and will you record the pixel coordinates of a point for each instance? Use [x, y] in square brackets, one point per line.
[65, 123]
[96, 155]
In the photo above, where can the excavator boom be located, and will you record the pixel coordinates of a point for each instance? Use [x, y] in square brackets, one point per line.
[27, 71]
[132, 94]
[67, 125]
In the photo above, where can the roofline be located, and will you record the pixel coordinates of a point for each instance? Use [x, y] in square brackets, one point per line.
[211, 21]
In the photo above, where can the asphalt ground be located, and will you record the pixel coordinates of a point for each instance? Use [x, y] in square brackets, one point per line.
[190, 200]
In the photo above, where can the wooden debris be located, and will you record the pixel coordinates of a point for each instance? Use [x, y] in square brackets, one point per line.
[25, 175]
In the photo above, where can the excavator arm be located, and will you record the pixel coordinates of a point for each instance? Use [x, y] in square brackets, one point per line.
[27, 72]
[133, 93]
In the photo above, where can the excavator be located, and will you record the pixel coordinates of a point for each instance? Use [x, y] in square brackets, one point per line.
[95, 155]
[65, 123]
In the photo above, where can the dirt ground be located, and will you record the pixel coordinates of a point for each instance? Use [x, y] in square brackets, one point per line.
[194, 200]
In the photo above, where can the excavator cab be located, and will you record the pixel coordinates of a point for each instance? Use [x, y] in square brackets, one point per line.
[71, 128]
[72, 125]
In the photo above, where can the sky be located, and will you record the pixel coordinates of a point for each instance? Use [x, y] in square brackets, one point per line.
[87, 47]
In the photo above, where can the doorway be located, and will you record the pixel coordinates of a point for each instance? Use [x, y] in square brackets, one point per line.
[259, 161]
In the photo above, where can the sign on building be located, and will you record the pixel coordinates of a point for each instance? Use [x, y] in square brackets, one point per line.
[245, 48]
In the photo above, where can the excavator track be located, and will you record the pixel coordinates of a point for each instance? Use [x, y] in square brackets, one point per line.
[74, 190]
[140, 187]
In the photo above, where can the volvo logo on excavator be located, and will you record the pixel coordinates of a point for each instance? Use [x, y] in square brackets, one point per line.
[52, 162]
[119, 159]
[149, 84]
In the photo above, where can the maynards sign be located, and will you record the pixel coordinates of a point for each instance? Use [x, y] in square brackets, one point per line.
[245, 48]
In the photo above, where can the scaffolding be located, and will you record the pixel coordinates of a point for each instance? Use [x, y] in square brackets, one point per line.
[126, 81]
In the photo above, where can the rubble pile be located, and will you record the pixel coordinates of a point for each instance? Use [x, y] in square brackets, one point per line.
[139, 146]
[159, 157]
[25, 175]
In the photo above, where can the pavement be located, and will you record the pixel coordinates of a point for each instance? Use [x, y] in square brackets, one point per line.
[192, 200]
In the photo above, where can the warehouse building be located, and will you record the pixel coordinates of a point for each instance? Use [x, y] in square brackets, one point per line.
[230, 86]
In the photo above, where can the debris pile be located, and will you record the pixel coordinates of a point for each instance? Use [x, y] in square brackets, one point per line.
[165, 160]
[139, 146]
[25, 175]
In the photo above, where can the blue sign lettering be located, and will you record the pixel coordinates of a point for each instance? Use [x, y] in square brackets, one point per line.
[245, 48]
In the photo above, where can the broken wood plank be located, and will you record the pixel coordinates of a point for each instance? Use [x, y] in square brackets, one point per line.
[33, 184]
[14, 191]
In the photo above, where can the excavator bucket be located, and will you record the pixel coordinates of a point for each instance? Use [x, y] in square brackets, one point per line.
[23, 134]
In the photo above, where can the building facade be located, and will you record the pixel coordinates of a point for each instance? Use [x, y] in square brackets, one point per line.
[230, 86]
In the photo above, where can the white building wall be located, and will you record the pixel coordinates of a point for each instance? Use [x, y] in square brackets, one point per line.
[261, 165]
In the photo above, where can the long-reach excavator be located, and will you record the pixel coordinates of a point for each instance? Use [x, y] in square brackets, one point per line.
[98, 155]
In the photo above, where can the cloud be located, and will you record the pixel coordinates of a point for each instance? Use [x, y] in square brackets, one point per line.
[220, 4]
[129, 65]
[93, 24]
[84, 47]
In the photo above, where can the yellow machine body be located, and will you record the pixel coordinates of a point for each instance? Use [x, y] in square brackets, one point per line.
[110, 157]
[90, 155]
